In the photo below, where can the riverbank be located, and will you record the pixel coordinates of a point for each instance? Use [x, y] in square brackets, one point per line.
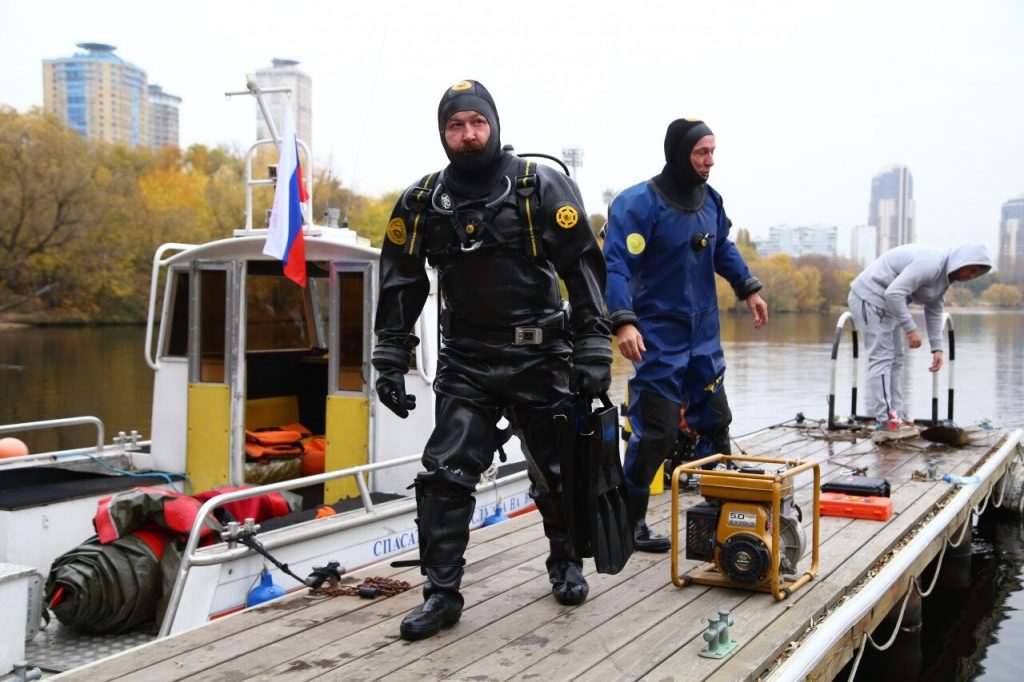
[50, 320]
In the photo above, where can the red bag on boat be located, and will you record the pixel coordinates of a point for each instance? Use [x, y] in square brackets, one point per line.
[257, 508]
[122, 513]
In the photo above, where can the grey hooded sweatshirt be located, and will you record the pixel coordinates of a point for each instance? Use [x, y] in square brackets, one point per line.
[916, 274]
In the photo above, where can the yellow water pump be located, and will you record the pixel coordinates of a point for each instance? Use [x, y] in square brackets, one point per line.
[748, 531]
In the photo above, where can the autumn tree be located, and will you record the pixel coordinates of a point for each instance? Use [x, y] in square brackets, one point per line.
[741, 237]
[1003, 296]
[960, 296]
[225, 190]
[369, 216]
[47, 196]
[836, 274]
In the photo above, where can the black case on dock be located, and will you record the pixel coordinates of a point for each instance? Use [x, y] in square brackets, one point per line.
[858, 485]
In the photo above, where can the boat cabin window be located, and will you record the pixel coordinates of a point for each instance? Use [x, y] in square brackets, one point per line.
[277, 314]
[352, 314]
[177, 336]
[212, 304]
[212, 307]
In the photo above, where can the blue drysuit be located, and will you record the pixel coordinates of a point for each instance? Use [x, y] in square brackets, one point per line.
[663, 282]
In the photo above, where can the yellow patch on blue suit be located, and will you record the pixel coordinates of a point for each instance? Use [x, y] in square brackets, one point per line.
[635, 243]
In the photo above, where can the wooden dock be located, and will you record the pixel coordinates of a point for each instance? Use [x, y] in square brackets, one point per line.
[636, 624]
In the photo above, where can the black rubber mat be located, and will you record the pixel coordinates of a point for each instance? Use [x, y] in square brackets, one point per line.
[32, 486]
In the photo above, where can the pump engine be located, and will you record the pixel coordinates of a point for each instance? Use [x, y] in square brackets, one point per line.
[737, 536]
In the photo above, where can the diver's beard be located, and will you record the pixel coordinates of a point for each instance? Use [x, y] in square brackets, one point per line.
[470, 148]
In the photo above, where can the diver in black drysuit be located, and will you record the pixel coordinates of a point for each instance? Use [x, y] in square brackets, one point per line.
[500, 230]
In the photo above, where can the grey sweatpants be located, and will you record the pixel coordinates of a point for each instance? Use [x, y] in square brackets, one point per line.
[886, 351]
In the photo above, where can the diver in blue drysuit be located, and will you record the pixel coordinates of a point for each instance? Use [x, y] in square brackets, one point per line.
[667, 239]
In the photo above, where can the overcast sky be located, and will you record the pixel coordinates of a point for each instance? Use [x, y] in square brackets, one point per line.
[808, 99]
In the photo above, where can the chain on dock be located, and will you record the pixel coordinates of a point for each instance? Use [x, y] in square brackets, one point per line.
[372, 586]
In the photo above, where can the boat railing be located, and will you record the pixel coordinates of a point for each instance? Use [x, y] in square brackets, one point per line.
[57, 423]
[846, 319]
[250, 181]
[253, 88]
[322, 527]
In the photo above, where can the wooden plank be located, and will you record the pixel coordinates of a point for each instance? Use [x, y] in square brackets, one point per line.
[852, 571]
[535, 629]
[635, 624]
[299, 652]
[838, 551]
[496, 539]
[762, 648]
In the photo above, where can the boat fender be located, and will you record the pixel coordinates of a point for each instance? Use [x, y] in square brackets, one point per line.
[265, 591]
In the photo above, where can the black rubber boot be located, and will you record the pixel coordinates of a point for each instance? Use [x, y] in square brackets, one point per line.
[440, 610]
[565, 571]
[644, 539]
[443, 522]
[567, 582]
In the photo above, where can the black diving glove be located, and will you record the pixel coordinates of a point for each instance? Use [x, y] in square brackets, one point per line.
[592, 378]
[592, 365]
[391, 391]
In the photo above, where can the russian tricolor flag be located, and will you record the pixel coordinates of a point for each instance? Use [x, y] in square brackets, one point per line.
[284, 236]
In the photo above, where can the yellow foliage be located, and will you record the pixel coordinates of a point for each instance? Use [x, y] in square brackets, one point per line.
[1003, 296]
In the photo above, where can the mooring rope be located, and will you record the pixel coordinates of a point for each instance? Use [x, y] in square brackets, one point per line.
[866, 637]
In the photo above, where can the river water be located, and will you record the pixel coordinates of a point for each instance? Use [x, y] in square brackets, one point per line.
[970, 633]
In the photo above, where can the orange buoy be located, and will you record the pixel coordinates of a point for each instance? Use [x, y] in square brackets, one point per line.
[12, 447]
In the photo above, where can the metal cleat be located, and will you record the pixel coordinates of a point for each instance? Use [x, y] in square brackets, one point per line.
[717, 637]
[330, 574]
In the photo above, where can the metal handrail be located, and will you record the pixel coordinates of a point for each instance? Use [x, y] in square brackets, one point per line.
[251, 182]
[49, 423]
[845, 318]
[947, 326]
[331, 527]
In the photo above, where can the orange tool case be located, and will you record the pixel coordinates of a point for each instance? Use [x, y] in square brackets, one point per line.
[856, 506]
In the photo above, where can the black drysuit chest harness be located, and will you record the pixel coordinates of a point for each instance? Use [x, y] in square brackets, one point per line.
[466, 239]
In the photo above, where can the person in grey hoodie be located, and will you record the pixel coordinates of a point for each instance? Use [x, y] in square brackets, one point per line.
[878, 302]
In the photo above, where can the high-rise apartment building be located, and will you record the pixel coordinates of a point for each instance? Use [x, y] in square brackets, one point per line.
[863, 242]
[163, 118]
[891, 211]
[285, 73]
[98, 94]
[800, 241]
[1010, 262]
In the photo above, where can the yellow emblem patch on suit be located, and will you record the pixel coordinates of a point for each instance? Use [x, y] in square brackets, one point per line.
[566, 217]
[396, 231]
[636, 243]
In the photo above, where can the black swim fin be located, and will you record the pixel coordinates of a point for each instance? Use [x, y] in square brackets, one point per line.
[946, 432]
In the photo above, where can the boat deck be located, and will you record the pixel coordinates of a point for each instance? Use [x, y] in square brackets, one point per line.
[634, 624]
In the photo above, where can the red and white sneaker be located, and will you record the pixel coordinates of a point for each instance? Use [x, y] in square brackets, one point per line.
[908, 429]
[894, 428]
[886, 430]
